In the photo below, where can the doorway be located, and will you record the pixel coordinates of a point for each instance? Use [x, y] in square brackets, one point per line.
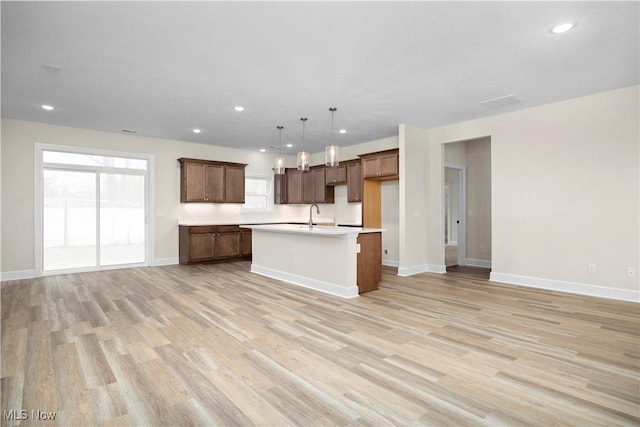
[467, 203]
[455, 231]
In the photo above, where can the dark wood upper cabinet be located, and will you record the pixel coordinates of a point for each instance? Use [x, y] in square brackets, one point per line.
[322, 193]
[382, 164]
[354, 182]
[294, 186]
[280, 189]
[336, 175]
[234, 184]
[205, 181]
[297, 187]
[308, 187]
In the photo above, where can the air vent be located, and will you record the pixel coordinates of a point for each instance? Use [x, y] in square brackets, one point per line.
[501, 102]
[52, 68]
[129, 131]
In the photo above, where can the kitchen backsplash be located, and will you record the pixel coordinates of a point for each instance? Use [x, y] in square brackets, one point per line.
[340, 212]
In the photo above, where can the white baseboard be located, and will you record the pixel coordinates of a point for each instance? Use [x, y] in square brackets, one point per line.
[410, 271]
[477, 263]
[569, 287]
[306, 282]
[422, 268]
[165, 261]
[17, 275]
[390, 263]
[436, 268]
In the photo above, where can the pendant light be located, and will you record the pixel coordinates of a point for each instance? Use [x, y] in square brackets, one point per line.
[303, 156]
[278, 165]
[331, 152]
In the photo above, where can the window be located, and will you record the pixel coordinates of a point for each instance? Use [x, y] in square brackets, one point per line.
[93, 209]
[257, 193]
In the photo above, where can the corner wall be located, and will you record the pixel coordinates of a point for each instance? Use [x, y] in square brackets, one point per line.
[565, 193]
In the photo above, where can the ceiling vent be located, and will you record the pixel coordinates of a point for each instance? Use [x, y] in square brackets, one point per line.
[501, 102]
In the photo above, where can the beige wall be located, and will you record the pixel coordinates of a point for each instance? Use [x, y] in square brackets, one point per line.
[565, 193]
[414, 198]
[17, 191]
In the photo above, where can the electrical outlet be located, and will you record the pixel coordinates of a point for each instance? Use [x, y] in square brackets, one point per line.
[481, 249]
[631, 272]
[591, 268]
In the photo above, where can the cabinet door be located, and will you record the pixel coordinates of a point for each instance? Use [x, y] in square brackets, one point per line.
[294, 186]
[354, 183]
[227, 245]
[234, 184]
[280, 189]
[215, 183]
[370, 167]
[308, 195]
[388, 164]
[201, 246]
[336, 175]
[246, 242]
[319, 186]
[193, 182]
[369, 261]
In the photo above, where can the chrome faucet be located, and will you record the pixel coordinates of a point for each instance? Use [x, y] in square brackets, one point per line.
[311, 214]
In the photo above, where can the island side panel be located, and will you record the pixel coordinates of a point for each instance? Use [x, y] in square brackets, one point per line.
[324, 263]
[369, 261]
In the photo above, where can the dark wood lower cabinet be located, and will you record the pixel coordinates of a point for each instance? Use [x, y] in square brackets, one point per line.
[213, 243]
[245, 242]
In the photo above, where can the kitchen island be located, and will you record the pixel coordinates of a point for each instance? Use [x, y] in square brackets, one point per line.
[342, 261]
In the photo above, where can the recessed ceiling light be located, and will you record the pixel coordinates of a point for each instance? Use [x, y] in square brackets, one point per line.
[342, 131]
[238, 108]
[289, 145]
[196, 130]
[262, 150]
[47, 107]
[562, 28]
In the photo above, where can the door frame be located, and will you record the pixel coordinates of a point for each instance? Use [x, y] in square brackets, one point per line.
[462, 210]
[38, 233]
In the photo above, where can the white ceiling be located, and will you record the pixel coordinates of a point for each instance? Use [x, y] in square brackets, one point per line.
[164, 68]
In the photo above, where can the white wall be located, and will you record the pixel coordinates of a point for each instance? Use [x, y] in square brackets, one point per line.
[565, 193]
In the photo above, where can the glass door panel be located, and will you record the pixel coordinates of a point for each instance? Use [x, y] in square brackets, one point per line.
[122, 219]
[69, 213]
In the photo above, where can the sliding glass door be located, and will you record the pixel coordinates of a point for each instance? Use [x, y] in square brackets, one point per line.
[122, 219]
[94, 211]
[69, 228]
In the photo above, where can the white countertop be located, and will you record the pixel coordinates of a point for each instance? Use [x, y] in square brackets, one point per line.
[199, 221]
[317, 230]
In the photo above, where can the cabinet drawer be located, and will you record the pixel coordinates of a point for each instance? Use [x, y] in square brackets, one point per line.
[228, 228]
[202, 229]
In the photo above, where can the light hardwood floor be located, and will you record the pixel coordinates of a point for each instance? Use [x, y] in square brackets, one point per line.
[202, 345]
